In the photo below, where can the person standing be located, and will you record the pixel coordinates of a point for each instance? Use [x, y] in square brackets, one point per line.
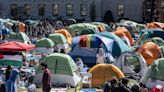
[46, 78]
[8, 71]
[11, 83]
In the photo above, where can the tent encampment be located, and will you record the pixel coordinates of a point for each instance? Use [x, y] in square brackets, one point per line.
[63, 70]
[104, 72]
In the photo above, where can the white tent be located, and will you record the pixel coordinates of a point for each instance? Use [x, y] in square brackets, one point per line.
[131, 64]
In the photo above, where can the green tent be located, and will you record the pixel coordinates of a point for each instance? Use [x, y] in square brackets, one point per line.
[106, 26]
[59, 63]
[45, 42]
[57, 37]
[135, 26]
[158, 41]
[156, 71]
[19, 37]
[80, 27]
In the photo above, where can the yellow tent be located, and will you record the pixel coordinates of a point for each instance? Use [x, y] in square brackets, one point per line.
[103, 72]
[66, 34]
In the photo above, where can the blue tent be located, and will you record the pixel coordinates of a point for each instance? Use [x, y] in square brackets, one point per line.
[119, 46]
[86, 47]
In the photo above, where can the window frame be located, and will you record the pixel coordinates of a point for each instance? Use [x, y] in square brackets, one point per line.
[39, 14]
[28, 10]
[81, 9]
[53, 13]
[67, 13]
[120, 10]
[14, 12]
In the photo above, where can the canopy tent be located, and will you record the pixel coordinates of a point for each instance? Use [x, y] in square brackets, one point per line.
[125, 33]
[150, 51]
[66, 34]
[88, 47]
[63, 70]
[132, 64]
[14, 46]
[82, 29]
[45, 42]
[155, 25]
[30, 22]
[155, 74]
[119, 46]
[104, 72]
[20, 36]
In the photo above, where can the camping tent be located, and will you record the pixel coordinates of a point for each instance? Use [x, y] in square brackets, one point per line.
[125, 33]
[63, 70]
[22, 37]
[82, 29]
[119, 46]
[66, 34]
[149, 33]
[104, 72]
[132, 64]
[61, 40]
[150, 51]
[155, 25]
[86, 47]
[135, 26]
[101, 26]
[45, 46]
[155, 74]
[15, 60]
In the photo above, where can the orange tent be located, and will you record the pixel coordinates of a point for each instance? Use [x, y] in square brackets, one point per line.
[122, 32]
[21, 27]
[150, 51]
[66, 34]
[101, 28]
[155, 25]
[103, 72]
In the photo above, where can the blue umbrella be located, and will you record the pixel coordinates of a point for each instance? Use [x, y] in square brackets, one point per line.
[5, 31]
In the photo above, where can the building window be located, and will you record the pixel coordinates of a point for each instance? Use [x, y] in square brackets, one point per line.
[69, 9]
[13, 9]
[55, 9]
[41, 9]
[27, 9]
[120, 10]
[83, 9]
